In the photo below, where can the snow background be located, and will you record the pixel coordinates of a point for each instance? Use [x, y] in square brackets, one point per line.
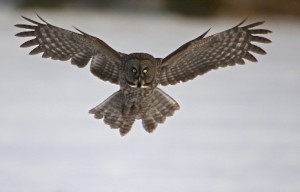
[238, 129]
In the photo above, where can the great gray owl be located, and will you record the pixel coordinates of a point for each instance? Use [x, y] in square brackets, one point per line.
[139, 74]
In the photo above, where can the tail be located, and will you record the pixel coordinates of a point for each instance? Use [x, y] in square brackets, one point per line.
[111, 111]
[162, 106]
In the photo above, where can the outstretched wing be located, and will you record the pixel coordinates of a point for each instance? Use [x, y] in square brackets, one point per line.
[61, 44]
[223, 49]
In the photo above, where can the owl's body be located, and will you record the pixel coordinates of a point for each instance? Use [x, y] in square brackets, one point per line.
[136, 100]
[139, 74]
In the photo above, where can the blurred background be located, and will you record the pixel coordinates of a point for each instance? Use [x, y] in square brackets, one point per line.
[238, 129]
[187, 7]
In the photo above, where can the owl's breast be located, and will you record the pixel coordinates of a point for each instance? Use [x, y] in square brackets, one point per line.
[137, 100]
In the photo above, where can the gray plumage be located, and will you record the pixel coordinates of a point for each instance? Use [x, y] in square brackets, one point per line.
[139, 74]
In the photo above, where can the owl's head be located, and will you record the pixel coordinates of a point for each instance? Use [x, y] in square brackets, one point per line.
[140, 70]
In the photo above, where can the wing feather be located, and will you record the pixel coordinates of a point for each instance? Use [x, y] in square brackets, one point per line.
[80, 48]
[202, 54]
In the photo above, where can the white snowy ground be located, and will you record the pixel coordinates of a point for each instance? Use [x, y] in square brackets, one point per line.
[238, 129]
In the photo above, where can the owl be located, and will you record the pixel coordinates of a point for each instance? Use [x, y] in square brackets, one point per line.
[139, 74]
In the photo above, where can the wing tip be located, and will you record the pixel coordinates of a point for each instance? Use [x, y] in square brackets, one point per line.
[33, 21]
[30, 20]
[41, 18]
[242, 22]
[204, 34]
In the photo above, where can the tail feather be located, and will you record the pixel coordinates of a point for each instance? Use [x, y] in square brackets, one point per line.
[111, 111]
[162, 106]
[149, 123]
[158, 116]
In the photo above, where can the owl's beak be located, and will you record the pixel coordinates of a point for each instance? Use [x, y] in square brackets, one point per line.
[139, 83]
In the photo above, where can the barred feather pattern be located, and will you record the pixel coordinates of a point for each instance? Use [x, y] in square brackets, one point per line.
[138, 74]
[162, 106]
[111, 112]
[223, 49]
[60, 44]
[159, 107]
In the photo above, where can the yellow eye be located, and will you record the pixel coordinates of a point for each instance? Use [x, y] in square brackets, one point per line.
[134, 70]
[145, 71]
